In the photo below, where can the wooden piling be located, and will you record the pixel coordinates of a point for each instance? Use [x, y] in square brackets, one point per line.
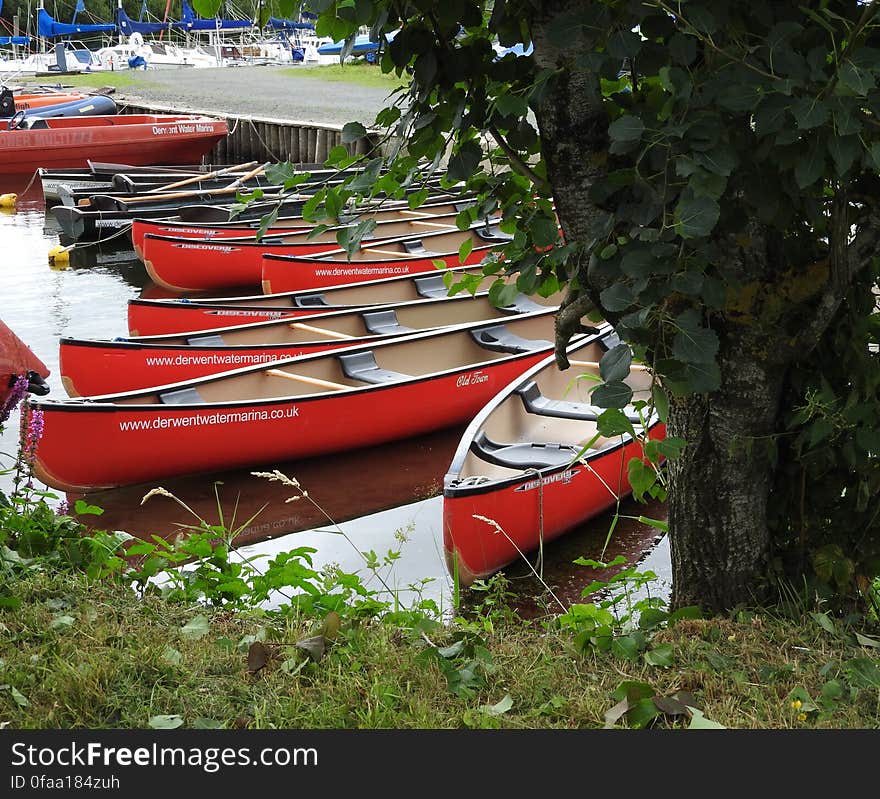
[263, 139]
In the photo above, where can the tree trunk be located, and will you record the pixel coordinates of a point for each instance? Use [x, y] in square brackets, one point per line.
[719, 488]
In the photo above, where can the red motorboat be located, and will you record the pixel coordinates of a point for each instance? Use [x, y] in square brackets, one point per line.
[182, 264]
[316, 404]
[532, 465]
[18, 363]
[156, 316]
[133, 139]
[246, 229]
[404, 256]
[90, 366]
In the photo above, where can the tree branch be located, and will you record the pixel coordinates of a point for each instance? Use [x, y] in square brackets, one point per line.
[521, 166]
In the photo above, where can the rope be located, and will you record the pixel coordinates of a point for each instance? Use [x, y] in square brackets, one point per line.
[263, 141]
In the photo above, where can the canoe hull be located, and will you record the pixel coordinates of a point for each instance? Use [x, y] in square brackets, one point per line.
[140, 443]
[153, 317]
[530, 511]
[283, 273]
[142, 139]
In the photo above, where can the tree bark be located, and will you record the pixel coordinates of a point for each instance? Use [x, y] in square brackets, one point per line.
[720, 486]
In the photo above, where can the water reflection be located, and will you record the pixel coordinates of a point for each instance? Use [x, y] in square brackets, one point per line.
[382, 498]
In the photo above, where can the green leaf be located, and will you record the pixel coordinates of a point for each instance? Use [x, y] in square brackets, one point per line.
[195, 628]
[700, 722]
[464, 163]
[611, 395]
[698, 345]
[661, 401]
[615, 363]
[617, 297]
[62, 622]
[695, 216]
[165, 722]
[614, 422]
[626, 129]
[352, 131]
[810, 112]
[859, 81]
[810, 166]
[864, 640]
[660, 655]
[640, 476]
[843, 150]
[83, 508]
[171, 656]
[703, 378]
[499, 708]
[202, 723]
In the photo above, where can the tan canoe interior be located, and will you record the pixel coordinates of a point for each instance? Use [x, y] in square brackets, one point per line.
[368, 292]
[389, 223]
[383, 363]
[433, 244]
[505, 447]
[341, 325]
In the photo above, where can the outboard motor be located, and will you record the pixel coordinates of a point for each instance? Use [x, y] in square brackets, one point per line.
[36, 384]
[7, 103]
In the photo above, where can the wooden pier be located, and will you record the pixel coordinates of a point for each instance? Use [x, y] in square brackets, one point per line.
[263, 139]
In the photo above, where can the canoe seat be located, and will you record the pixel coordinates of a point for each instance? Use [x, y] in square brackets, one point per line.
[414, 247]
[212, 340]
[363, 366]
[499, 339]
[526, 455]
[310, 301]
[431, 286]
[182, 396]
[535, 402]
[493, 233]
[384, 323]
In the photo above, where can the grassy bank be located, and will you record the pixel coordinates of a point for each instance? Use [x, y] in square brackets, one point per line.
[86, 654]
[89, 639]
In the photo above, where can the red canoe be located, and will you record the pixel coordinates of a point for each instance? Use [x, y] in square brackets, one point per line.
[316, 404]
[521, 474]
[133, 139]
[246, 229]
[92, 366]
[376, 259]
[153, 317]
[27, 102]
[182, 264]
[17, 360]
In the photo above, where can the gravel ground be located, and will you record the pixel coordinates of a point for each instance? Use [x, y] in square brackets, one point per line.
[258, 91]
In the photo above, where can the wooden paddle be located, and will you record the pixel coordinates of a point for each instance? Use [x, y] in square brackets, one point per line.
[215, 174]
[163, 195]
[319, 330]
[314, 381]
[247, 176]
[595, 365]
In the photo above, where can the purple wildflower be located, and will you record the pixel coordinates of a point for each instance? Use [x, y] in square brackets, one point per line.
[31, 430]
[63, 508]
[19, 389]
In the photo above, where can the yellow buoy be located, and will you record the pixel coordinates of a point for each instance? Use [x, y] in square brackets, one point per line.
[59, 256]
[8, 200]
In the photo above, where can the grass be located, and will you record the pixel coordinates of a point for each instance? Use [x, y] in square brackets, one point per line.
[357, 72]
[81, 653]
[91, 80]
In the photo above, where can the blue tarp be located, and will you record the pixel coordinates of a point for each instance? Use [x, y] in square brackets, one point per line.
[194, 23]
[128, 26]
[289, 25]
[15, 40]
[48, 28]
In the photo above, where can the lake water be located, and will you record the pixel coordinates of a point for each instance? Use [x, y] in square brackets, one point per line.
[379, 499]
